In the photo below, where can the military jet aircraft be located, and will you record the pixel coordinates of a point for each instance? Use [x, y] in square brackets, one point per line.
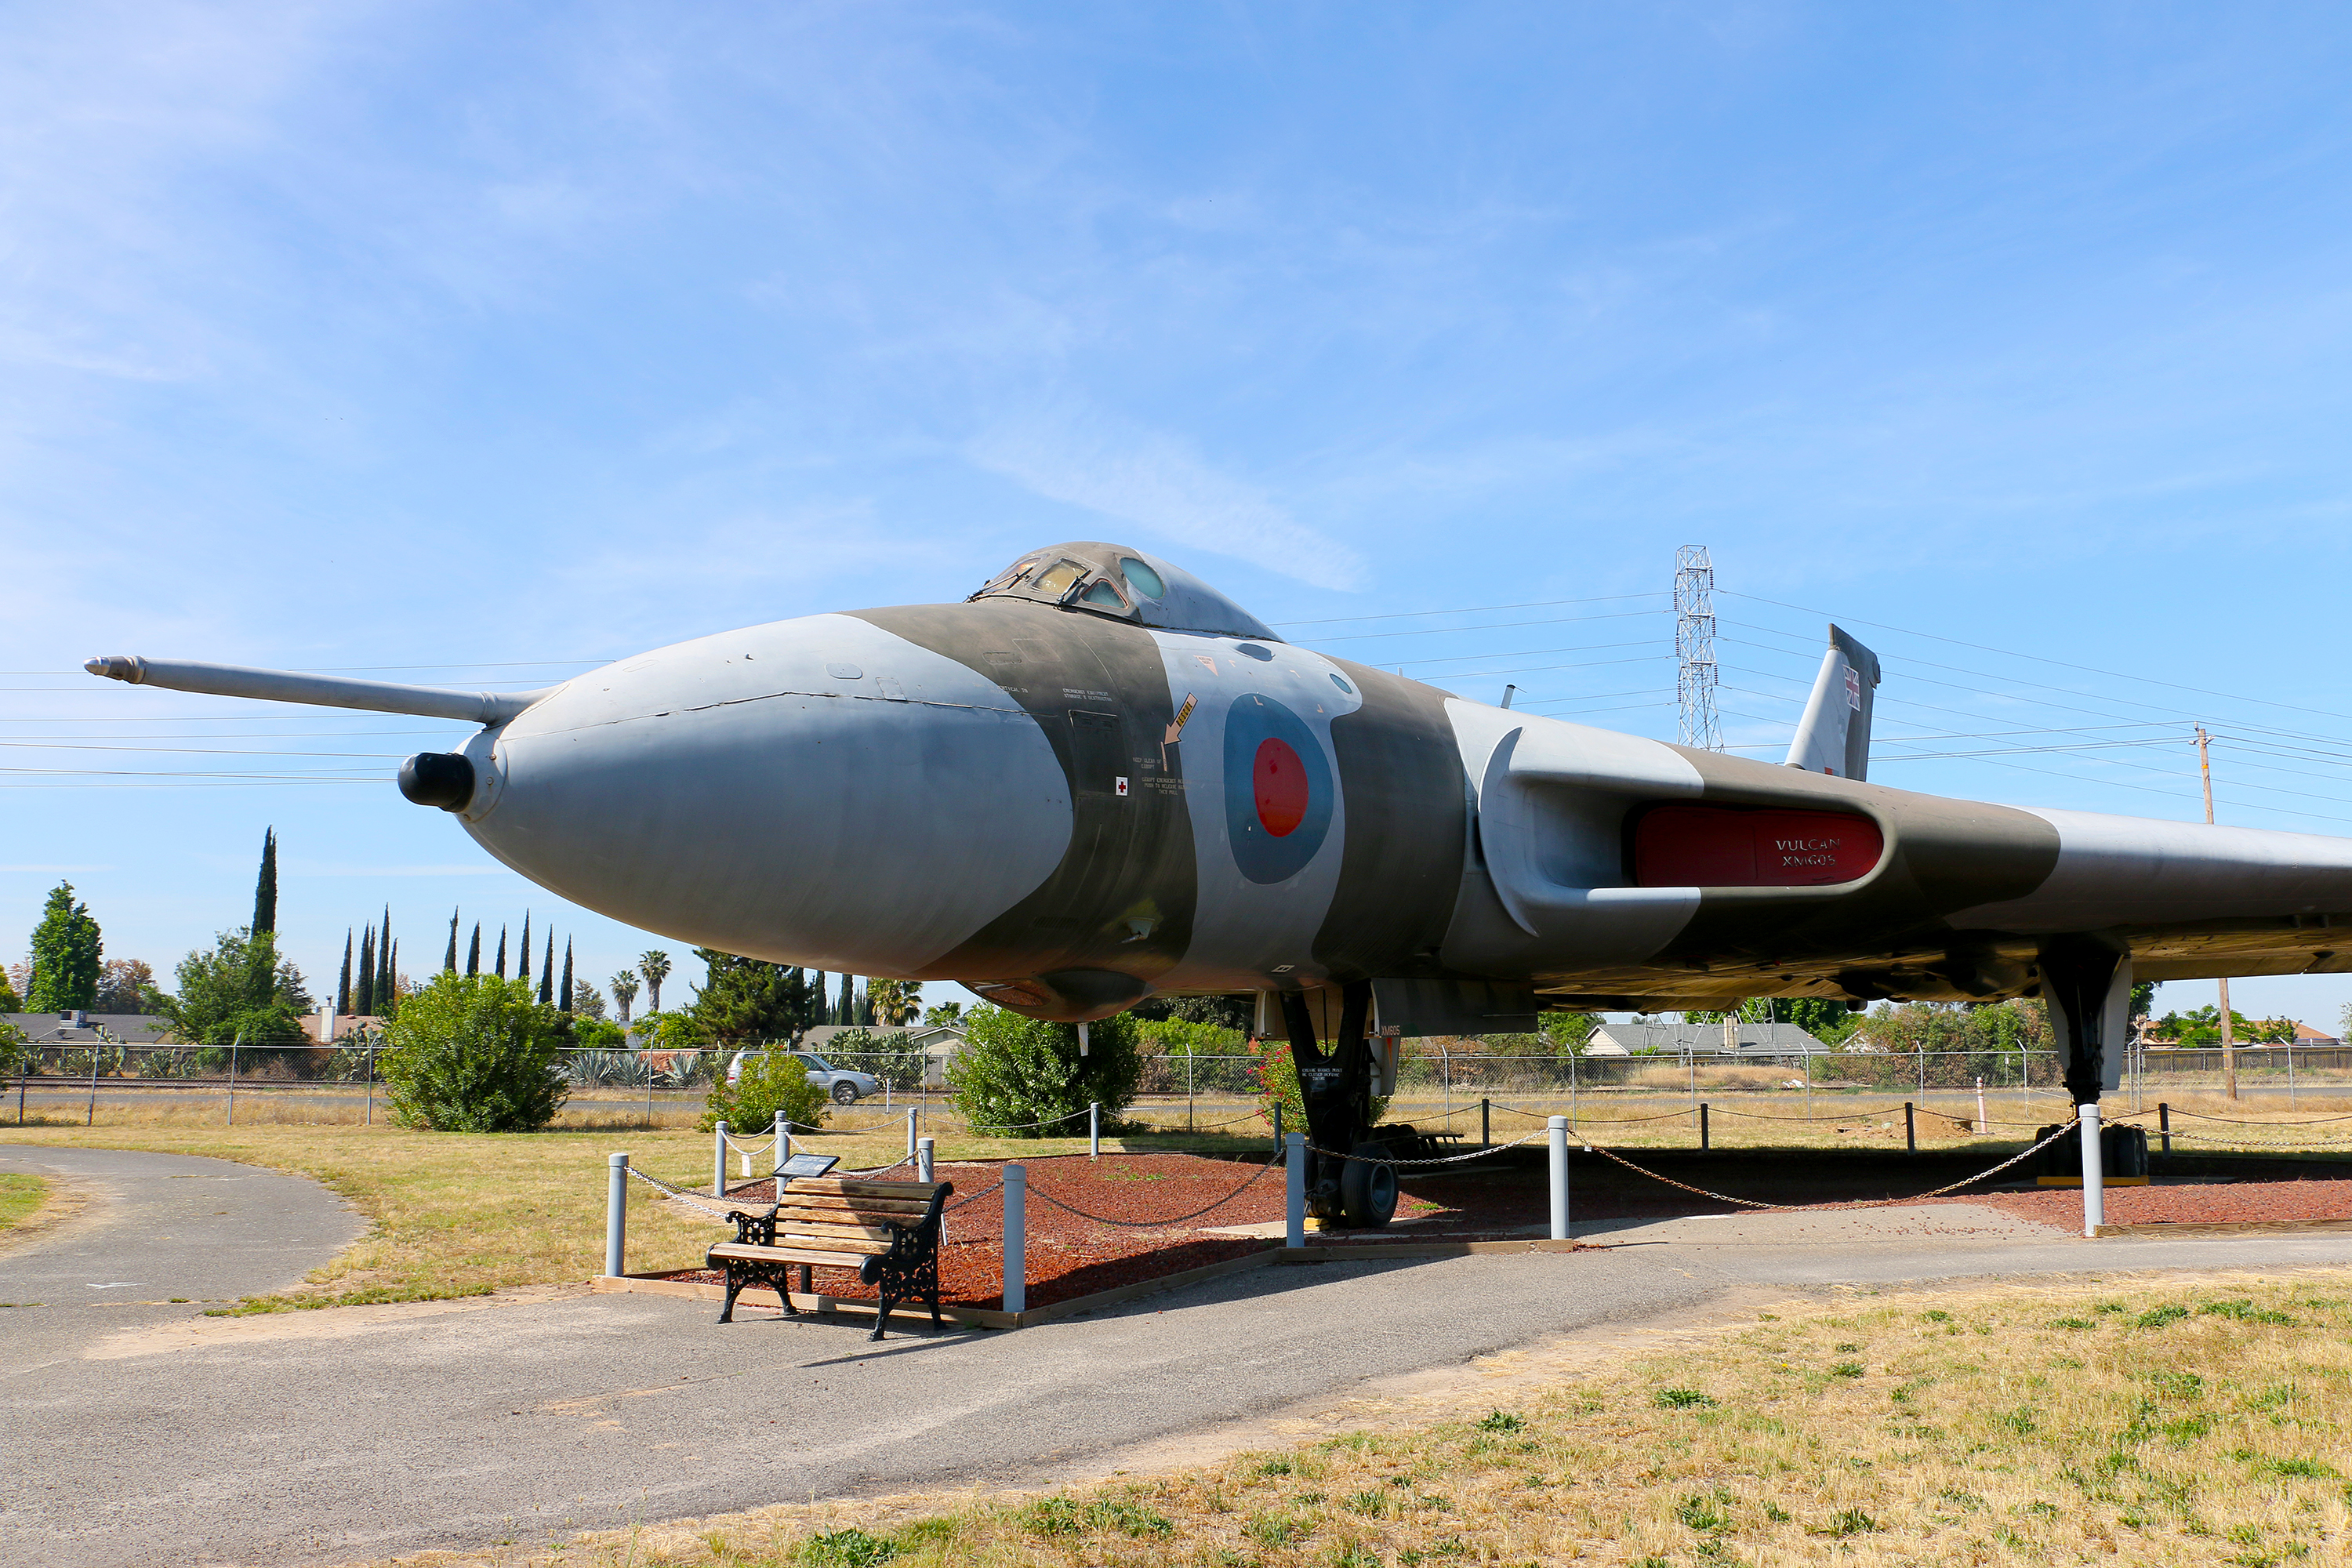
[1098, 779]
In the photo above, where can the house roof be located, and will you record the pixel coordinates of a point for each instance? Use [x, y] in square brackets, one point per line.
[1678, 1034]
[53, 1029]
[892, 1036]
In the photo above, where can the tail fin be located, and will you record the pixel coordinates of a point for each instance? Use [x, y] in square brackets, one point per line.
[1834, 737]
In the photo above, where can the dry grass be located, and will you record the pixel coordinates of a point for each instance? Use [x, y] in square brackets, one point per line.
[2173, 1424]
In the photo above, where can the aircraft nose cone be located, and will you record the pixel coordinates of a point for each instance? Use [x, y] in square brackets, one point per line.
[816, 792]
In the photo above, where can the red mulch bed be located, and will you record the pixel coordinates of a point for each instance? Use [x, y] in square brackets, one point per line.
[1070, 1256]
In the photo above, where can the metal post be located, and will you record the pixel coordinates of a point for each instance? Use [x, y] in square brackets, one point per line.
[1704, 1140]
[784, 1151]
[1980, 1110]
[718, 1160]
[1559, 1125]
[90, 1118]
[1910, 1128]
[911, 1134]
[2290, 1074]
[1807, 1058]
[1188, 1091]
[924, 1160]
[2164, 1124]
[649, 1094]
[1278, 1127]
[616, 1213]
[1486, 1125]
[1094, 1129]
[2094, 1195]
[1016, 1238]
[1294, 1189]
[232, 1079]
[371, 1084]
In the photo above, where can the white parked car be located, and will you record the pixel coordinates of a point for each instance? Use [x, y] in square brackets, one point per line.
[842, 1086]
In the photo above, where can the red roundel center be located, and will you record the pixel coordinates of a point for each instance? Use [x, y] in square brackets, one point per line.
[1279, 779]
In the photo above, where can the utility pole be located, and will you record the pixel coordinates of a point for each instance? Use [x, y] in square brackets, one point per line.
[2229, 1054]
[1695, 649]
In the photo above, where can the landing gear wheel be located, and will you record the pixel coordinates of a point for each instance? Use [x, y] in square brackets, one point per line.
[845, 1094]
[1367, 1193]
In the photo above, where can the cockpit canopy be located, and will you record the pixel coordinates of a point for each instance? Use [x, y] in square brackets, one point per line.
[1125, 585]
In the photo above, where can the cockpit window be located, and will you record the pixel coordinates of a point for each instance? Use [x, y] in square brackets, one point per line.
[1096, 578]
[1141, 577]
[1058, 578]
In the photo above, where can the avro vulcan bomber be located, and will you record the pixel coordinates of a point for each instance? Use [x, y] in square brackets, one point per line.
[1098, 779]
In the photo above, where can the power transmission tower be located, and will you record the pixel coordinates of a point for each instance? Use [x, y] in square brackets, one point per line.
[1694, 647]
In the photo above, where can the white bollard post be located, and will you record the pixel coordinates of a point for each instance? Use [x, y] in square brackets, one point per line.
[784, 1151]
[911, 1135]
[1094, 1130]
[616, 1215]
[1558, 1126]
[1294, 1189]
[718, 1160]
[1016, 1238]
[924, 1159]
[2094, 1168]
[1980, 1110]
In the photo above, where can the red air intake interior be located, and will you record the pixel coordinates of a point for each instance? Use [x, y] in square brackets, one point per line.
[1729, 846]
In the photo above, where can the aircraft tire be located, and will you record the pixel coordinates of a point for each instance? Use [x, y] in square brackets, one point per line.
[1367, 1193]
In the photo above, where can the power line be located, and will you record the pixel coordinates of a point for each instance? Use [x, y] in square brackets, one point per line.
[1472, 610]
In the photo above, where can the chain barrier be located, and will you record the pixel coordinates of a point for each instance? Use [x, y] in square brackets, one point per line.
[1446, 1160]
[973, 1199]
[901, 1160]
[1619, 1122]
[1870, 1203]
[688, 1196]
[1156, 1223]
[2244, 1142]
[2238, 1121]
[1211, 1126]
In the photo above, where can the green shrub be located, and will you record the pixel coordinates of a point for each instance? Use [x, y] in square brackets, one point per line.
[771, 1082]
[12, 1051]
[1015, 1070]
[473, 1053]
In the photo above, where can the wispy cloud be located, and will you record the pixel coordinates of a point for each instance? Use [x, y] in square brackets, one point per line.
[1158, 482]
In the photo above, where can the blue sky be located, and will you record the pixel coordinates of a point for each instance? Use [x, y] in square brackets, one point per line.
[509, 339]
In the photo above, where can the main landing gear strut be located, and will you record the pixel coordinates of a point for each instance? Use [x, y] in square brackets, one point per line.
[1336, 1086]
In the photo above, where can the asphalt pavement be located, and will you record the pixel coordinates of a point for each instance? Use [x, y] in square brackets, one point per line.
[144, 1433]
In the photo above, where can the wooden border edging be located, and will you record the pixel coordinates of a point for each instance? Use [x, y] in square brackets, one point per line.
[989, 1318]
[1339, 1252]
[2223, 1226]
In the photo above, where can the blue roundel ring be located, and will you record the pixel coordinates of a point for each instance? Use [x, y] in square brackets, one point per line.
[1278, 789]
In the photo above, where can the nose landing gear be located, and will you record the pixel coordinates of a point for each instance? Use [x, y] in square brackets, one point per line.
[1337, 1087]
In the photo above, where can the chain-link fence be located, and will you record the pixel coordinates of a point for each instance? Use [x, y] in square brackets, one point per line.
[1438, 1082]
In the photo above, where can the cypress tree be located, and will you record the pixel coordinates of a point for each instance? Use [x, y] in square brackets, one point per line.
[522, 966]
[363, 997]
[265, 885]
[546, 974]
[503, 953]
[343, 987]
[387, 996]
[866, 1007]
[474, 952]
[846, 1014]
[384, 989]
[449, 959]
[564, 998]
[813, 1002]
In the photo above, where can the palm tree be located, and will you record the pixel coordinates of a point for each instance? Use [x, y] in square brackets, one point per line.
[895, 1002]
[655, 967]
[624, 992]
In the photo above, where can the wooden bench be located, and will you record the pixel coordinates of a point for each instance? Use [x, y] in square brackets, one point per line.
[887, 1231]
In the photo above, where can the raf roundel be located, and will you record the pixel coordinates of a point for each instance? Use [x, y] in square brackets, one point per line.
[1278, 789]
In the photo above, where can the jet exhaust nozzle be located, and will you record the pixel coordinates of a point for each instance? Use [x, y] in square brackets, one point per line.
[444, 779]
